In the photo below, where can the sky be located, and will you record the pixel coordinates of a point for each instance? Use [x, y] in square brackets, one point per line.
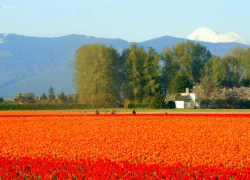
[131, 20]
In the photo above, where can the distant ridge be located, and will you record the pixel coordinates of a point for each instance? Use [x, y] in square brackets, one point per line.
[33, 64]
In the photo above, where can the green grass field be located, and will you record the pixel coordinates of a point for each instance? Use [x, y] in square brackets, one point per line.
[123, 110]
[148, 111]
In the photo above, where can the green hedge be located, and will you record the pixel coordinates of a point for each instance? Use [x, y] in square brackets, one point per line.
[44, 106]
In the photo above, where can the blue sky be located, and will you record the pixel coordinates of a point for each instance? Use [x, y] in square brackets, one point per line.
[131, 20]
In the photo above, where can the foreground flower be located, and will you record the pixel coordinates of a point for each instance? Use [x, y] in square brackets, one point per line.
[42, 168]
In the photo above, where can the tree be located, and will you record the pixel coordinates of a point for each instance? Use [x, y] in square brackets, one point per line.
[178, 84]
[126, 89]
[44, 97]
[187, 60]
[114, 75]
[134, 68]
[231, 71]
[142, 71]
[18, 96]
[234, 67]
[97, 75]
[25, 96]
[207, 91]
[62, 98]
[238, 53]
[246, 65]
[151, 74]
[213, 68]
[169, 70]
[191, 58]
[236, 97]
[51, 93]
[1, 99]
[158, 101]
[200, 56]
[70, 98]
[29, 96]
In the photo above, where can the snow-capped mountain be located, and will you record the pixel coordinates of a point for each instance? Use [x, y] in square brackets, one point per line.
[208, 35]
[1, 41]
[2, 38]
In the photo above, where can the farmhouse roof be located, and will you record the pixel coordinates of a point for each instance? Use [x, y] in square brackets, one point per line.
[182, 98]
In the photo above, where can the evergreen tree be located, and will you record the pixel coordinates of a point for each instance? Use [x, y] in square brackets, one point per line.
[51, 93]
[62, 98]
[70, 98]
[169, 70]
[1, 99]
[151, 74]
[126, 88]
[142, 70]
[134, 67]
[20, 96]
[157, 102]
[44, 97]
[178, 84]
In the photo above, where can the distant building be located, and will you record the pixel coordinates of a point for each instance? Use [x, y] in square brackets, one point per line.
[8, 102]
[186, 100]
[17, 101]
[49, 101]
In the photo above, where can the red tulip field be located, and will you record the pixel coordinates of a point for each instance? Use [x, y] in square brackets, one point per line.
[124, 146]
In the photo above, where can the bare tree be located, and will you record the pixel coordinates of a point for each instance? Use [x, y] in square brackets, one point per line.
[207, 91]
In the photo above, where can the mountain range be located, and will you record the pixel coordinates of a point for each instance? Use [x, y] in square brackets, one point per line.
[33, 64]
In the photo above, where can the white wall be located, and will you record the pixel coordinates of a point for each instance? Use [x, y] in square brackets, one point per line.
[179, 104]
[193, 97]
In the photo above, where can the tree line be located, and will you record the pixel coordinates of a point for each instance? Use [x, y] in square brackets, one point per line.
[60, 98]
[211, 93]
[105, 75]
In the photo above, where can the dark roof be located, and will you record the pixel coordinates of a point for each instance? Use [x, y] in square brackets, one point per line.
[182, 98]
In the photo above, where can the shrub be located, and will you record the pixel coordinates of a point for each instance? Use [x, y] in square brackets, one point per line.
[170, 105]
[128, 104]
[157, 102]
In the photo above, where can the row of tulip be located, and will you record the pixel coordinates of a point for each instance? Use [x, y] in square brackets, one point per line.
[44, 168]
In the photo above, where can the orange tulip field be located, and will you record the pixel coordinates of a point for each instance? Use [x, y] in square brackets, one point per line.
[124, 146]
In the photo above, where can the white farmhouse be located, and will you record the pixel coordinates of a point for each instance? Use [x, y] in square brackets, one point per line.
[186, 100]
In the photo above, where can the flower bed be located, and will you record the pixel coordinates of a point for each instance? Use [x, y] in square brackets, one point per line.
[74, 145]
